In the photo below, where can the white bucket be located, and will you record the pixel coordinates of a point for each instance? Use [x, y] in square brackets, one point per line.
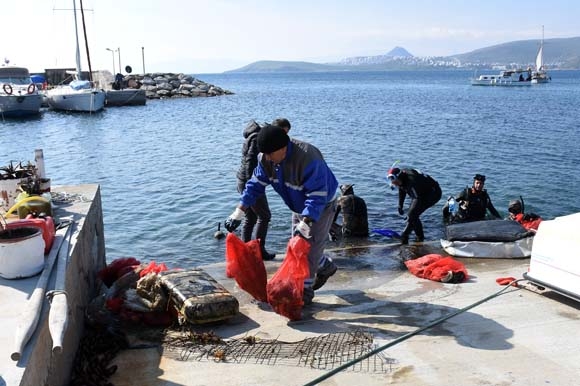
[21, 252]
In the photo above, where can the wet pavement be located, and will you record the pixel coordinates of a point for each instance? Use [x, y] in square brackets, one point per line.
[520, 337]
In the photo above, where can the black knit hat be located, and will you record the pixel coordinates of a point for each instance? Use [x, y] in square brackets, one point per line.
[282, 122]
[272, 138]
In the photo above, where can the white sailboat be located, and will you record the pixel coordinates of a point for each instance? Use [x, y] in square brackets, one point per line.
[78, 95]
[540, 75]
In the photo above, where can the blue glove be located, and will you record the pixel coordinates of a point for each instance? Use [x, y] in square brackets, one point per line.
[400, 210]
[234, 221]
[302, 229]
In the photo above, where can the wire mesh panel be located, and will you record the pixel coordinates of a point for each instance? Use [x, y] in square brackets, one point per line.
[324, 352]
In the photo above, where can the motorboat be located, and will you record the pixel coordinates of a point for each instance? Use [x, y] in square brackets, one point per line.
[517, 77]
[499, 239]
[555, 260]
[79, 94]
[125, 97]
[19, 96]
[540, 75]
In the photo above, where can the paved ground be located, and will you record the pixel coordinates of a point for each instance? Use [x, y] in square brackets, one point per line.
[521, 337]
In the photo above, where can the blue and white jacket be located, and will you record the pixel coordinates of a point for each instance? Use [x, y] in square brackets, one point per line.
[302, 179]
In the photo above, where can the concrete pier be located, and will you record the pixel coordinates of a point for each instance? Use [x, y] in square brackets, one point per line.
[38, 364]
[518, 338]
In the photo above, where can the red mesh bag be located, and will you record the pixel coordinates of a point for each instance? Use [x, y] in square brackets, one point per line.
[116, 269]
[153, 267]
[438, 268]
[245, 265]
[286, 287]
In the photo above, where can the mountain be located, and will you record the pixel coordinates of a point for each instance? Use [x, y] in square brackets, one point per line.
[285, 66]
[561, 53]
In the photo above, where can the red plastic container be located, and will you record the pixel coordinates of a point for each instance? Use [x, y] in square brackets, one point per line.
[46, 225]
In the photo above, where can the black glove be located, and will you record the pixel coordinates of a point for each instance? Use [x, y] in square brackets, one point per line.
[234, 221]
[400, 210]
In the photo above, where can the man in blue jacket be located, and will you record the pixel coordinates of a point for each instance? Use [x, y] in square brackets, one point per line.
[298, 173]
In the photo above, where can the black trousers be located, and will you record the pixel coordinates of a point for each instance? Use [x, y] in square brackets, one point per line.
[417, 207]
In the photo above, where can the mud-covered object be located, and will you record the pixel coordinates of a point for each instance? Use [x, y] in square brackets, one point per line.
[198, 297]
[503, 239]
[486, 230]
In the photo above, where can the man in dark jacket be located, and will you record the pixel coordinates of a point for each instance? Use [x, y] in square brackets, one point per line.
[475, 202]
[257, 216]
[424, 192]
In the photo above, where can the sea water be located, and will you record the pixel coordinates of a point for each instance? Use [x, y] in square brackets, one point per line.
[167, 170]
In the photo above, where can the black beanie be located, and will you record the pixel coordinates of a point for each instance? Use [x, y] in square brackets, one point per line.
[272, 138]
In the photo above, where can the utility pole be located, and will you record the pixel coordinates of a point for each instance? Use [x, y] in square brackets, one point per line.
[143, 58]
[119, 52]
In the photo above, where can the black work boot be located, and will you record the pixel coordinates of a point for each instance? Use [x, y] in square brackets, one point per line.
[324, 273]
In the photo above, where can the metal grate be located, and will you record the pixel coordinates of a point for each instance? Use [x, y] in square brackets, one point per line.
[324, 352]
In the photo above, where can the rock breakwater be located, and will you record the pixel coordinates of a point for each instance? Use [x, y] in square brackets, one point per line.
[169, 85]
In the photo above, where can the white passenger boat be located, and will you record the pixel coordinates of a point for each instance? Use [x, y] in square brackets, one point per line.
[518, 77]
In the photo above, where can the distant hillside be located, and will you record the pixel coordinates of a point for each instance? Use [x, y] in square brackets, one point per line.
[285, 66]
[563, 53]
[558, 53]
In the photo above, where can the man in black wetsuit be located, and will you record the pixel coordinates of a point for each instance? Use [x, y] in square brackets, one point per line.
[475, 201]
[354, 214]
[424, 192]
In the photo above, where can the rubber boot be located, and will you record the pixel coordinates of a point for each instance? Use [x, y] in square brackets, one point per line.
[261, 232]
[405, 234]
[419, 231]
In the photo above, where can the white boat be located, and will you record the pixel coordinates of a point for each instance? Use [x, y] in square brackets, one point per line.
[499, 239]
[19, 97]
[79, 95]
[540, 75]
[555, 261]
[509, 78]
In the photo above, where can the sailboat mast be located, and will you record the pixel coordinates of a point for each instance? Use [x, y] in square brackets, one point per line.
[86, 41]
[78, 56]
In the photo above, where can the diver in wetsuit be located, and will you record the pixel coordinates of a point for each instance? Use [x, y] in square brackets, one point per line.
[475, 201]
[424, 192]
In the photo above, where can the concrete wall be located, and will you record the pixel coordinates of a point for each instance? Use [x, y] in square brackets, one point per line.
[39, 365]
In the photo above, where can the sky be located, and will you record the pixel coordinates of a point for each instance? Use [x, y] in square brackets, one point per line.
[213, 36]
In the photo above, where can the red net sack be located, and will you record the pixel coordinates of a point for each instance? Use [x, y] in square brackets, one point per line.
[438, 268]
[286, 287]
[245, 265]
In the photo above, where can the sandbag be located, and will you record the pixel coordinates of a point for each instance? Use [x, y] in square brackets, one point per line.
[286, 287]
[245, 265]
[438, 268]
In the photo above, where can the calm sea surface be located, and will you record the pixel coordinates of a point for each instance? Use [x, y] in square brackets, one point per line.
[167, 169]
